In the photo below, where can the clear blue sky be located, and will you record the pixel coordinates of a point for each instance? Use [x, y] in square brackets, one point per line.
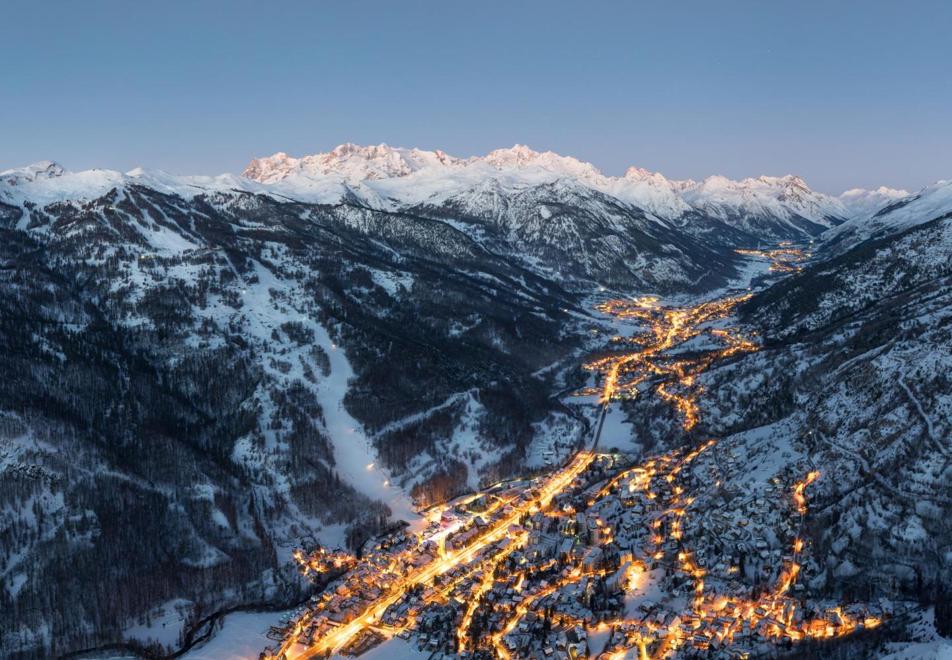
[845, 93]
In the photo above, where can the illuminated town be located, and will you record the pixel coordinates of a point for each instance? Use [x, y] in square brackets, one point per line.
[605, 557]
[786, 258]
[644, 358]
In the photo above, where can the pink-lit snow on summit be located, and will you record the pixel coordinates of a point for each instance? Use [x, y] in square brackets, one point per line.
[415, 176]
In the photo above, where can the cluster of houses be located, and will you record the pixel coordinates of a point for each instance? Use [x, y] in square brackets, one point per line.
[624, 556]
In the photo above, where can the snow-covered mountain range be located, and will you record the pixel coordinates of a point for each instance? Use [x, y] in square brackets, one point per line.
[771, 206]
[387, 178]
[894, 211]
[196, 373]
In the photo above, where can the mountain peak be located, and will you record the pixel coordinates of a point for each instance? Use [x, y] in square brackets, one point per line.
[519, 156]
[862, 203]
[784, 197]
[352, 162]
[786, 180]
[44, 169]
[270, 168]
[639, 174]
[635, 172]
[881, 190]
[716, 181]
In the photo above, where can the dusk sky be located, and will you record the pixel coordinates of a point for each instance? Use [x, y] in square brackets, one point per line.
[843, 93]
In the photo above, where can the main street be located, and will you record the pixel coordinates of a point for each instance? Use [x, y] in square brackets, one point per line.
[340, 636]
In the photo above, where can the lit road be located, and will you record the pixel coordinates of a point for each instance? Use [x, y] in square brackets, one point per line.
[339, 637]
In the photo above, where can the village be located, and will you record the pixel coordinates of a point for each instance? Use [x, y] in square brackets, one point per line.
[609, 556]
[617, 562]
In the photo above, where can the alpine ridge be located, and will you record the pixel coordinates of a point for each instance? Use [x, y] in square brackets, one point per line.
[761, 208]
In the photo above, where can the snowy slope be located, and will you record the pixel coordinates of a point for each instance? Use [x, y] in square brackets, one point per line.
[652, 191]
[924, 206]
[785, 202]
[862, 203]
